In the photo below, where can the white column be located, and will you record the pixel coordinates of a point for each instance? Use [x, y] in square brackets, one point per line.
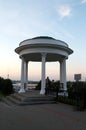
[60, 72]
[25, 74]
[22, 76]
[43, 82]
[63, 73]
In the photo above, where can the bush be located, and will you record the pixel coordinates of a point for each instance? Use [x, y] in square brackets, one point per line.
[38, 86]
[6, 86]
[77, 91]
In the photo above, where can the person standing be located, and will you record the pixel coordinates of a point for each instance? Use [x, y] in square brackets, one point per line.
[47, 86]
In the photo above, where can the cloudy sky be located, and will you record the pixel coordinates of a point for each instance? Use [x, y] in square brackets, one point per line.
[62, 19]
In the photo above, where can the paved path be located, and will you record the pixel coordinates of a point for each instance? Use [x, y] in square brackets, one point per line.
[41, 117]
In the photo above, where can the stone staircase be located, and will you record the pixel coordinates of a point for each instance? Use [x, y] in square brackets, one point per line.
[29, 98]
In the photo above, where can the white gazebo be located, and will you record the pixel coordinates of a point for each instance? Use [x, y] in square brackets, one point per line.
[43, 49]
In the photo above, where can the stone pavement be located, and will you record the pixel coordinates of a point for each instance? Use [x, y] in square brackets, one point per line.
[41, 117]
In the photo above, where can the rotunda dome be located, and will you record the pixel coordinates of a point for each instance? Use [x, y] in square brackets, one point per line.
[43, 40]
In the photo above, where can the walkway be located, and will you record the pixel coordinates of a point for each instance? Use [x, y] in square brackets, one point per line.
[41, 117]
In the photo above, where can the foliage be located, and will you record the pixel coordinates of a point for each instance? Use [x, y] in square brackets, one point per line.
[66, 100]
[52, 85]
[6, 86]
[77, 91]
[38, 86]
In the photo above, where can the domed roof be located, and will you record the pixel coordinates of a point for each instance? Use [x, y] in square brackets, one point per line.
[43, 40]
[45, 37]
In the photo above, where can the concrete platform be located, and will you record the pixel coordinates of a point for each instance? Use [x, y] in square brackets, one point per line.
[31, 97]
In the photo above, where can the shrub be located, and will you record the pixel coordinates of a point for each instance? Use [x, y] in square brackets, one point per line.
[77, 91]
[38, 86]
[6, 86]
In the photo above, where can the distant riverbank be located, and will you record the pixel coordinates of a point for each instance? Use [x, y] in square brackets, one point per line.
[17, 86]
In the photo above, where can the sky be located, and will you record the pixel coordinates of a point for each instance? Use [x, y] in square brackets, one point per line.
[61, 19]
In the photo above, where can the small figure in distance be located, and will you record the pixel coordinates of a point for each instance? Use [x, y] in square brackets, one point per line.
[47, 86]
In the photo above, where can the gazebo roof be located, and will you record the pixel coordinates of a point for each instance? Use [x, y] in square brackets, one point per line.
[31, 49]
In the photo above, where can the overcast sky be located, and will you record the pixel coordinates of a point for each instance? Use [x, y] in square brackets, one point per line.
[61, 19]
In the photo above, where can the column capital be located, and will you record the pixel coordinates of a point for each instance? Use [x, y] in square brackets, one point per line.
[43, 54]
[64, 59]
[22, 58]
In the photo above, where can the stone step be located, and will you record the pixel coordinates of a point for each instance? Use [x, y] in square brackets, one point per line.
[7, 102]
[13, 100]
[29, 98]
[17, 97]
[36, 102]
[39, 99]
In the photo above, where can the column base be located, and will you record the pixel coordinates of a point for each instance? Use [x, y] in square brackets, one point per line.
[22, 90]
[42, 91]
[65, 93]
